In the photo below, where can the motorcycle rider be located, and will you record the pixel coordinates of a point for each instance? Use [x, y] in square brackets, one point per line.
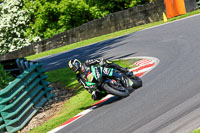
[83, 72]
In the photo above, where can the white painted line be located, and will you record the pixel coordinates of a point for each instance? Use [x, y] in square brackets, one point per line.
[143, 62]
[78, 116]
[143, 70]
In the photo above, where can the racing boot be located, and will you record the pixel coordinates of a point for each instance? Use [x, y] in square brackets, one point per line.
[128, 73]
[131, 75]
[97, 95]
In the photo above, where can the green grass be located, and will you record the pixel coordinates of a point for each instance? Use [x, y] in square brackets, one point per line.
[196, 131]
[65, 76]
[76, 104]
[106, 37]
[126, 63]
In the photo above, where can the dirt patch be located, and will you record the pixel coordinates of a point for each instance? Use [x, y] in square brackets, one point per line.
[51, 107]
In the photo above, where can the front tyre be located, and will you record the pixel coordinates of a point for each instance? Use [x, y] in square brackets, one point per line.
[116, 92]
[137, 82]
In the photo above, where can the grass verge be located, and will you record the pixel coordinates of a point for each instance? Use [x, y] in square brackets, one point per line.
[106, 37]
[81, 101]
[196, 131]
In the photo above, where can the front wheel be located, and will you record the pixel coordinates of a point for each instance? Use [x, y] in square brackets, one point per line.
[137, 82]
[116, 92]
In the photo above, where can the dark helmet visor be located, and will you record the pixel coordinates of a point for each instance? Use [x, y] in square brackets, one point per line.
[76, 66]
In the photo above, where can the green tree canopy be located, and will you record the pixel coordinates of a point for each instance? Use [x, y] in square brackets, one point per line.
[50, 17]
[113, 5]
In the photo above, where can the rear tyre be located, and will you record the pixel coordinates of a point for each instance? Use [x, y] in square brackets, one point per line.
[113, 91]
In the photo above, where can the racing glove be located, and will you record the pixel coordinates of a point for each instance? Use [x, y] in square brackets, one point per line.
[101, 62]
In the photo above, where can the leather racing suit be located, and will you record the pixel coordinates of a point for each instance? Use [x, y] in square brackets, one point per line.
[83, 77]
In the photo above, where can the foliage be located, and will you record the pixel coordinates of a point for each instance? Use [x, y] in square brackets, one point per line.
[13, 23]
[5, 78]
[111, 6]
[50, 17]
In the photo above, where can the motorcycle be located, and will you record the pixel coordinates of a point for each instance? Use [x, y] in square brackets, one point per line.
[110, 84]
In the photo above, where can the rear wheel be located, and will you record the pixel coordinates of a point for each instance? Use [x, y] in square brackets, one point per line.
[121, 93]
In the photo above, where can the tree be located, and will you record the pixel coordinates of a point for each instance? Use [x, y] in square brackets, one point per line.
[113, 5]
[50, 17]
[5, 78]
[13, 22]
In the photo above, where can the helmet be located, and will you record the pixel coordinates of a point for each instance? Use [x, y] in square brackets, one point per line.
[75, 65]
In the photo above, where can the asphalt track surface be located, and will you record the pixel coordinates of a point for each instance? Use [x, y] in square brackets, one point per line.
[168, 102]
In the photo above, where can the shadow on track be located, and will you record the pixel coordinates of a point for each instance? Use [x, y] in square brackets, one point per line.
[93, 51]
